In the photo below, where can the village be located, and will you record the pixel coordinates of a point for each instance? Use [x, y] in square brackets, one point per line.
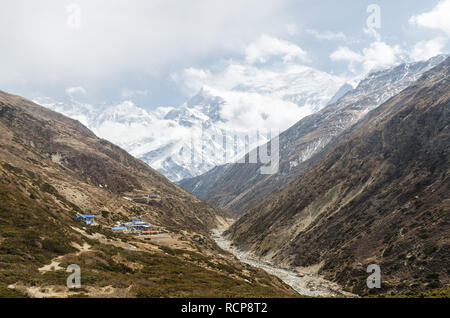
[135, 226]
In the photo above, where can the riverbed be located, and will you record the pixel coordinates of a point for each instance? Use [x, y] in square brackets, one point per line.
[311, 284]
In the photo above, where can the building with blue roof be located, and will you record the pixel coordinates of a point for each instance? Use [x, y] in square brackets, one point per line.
[86, 218]
[119, 228]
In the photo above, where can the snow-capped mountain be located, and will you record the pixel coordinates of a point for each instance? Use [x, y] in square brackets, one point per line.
[299, 84]
[214, 127]
[239, 187]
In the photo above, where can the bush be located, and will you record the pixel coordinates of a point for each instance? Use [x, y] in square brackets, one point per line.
[56, 246]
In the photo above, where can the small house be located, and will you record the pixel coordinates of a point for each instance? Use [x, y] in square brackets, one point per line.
[150, 232]
[86, 218]
[141, 223]
[119, 228]
[136, 226]
[140, 227]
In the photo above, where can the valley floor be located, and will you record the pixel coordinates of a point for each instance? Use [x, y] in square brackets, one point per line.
[311, 284]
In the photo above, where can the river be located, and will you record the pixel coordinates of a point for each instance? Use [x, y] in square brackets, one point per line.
[310, 284]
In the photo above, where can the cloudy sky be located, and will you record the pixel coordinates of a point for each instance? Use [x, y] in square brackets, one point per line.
[160, 52]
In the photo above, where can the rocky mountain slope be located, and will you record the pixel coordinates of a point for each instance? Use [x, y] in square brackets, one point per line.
[75, 151]
[379, 196]
[186, 141]
[53, 168]
[238, 187]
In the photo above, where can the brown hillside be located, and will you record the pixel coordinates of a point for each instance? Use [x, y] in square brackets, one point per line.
[92, 171]
[52, 168]
[381, 196]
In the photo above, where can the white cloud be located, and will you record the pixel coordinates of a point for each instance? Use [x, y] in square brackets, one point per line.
[75, 90]
[125, 43]
[263, 95]
[377, 55]
[424, 50]
[380, 54]
[117, 37]
[372, 32]
[346, 54]
[266, 47]
[261, 110]
[192, 79]
[327, 35]
[437, 18]
[251, 70]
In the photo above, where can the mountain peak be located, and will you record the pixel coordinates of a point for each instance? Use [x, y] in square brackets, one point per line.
[207, 103]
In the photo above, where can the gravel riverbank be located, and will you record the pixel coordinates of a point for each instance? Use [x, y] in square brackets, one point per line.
[310, 284]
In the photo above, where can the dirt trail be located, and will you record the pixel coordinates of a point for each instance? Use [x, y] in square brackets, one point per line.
[58, 291]
[310, 284]
[54, 265]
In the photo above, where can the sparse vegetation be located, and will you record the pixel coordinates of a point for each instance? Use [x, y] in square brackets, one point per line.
[39, 236]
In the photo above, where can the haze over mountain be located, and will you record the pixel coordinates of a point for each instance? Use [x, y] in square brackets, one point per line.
[210, 128]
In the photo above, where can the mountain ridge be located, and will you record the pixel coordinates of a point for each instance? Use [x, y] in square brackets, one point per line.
[240, 186]
[379, 196]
